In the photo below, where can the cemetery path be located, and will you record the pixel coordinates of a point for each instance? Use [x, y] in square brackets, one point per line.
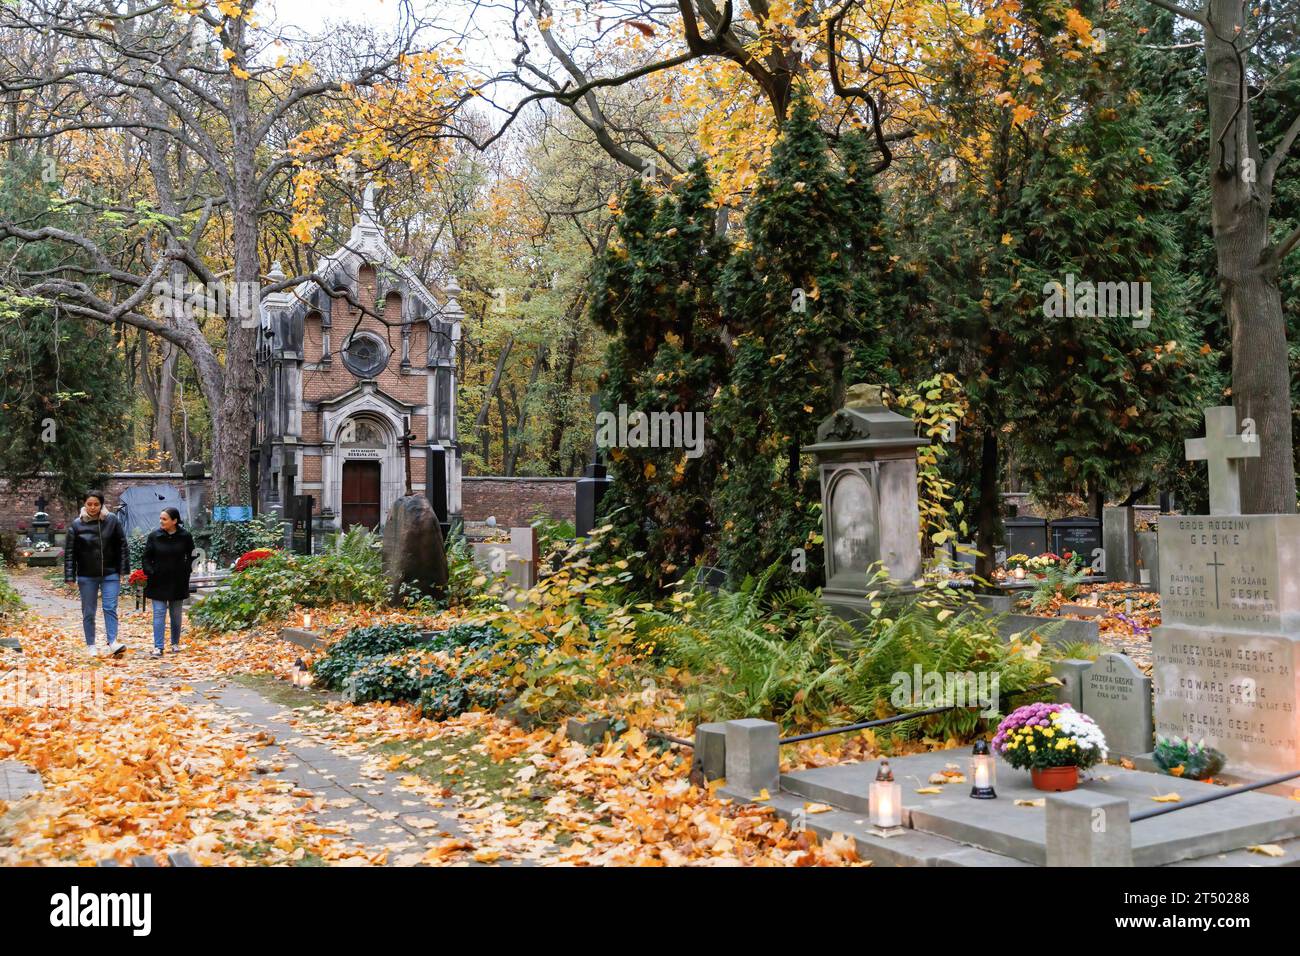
[198, 761]
[211, 754]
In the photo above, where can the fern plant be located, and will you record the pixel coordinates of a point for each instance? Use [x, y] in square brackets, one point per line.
[783, 656]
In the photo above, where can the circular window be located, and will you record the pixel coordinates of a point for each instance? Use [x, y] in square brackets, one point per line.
[365, 356]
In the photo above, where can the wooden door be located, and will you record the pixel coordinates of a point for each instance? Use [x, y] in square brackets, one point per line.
[360, 494]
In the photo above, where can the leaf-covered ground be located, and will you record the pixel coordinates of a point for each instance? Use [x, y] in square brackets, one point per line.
[147, 761]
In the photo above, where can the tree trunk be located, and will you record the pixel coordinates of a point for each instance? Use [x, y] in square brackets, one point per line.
[1261, 383]
[986, 514]
[163, 434]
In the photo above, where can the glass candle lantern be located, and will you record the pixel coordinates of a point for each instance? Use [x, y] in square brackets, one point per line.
[983, 772]
[885, 801]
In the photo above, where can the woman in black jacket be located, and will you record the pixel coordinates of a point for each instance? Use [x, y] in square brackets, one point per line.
[168, 558]
[96, 556]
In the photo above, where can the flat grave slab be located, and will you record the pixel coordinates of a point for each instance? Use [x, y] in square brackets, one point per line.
[999, 826]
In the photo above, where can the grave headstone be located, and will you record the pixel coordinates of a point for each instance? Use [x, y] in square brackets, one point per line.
[517, 558]
[1117, 695]
[1228, 648]
[1148, 543]
[414, 556]
[1026, 535]
[1079, 535]
[1119, 541]
[300, 536]
[866, 459]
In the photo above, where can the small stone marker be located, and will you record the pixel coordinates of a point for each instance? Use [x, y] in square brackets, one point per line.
[753, 756]
[1070, 672]
[1088, 829]
[517, 558]
[1117, 695]
[711, 749]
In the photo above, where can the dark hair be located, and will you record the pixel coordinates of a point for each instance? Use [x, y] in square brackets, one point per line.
[173, 514]
[95, 494]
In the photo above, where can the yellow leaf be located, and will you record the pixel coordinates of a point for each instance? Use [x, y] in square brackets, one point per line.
[817, 807]
[1040, 802]
[649, 469]
[762, 795]
[1267, 849]
[930, 790]
[1168, 798]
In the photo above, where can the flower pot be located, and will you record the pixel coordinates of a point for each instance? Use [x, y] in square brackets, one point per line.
[1055, 779]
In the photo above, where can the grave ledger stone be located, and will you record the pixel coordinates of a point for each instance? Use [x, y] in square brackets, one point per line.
[1227, 650]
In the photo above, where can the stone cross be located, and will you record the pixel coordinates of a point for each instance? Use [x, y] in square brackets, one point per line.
[41, 503]
[1221, 449]
[407, 437]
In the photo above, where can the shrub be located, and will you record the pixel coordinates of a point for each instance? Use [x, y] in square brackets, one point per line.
[377, 639]
[395, 662]
[273, 586]
[8, 549]
[10, 601]
[786, 657]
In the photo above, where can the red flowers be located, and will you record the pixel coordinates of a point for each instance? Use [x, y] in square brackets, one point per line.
[137, 577]
[252, 557]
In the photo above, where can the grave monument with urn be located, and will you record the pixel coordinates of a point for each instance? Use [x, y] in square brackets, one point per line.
[866, 456]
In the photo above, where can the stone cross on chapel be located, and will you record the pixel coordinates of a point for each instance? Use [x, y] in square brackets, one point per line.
[1222, 448]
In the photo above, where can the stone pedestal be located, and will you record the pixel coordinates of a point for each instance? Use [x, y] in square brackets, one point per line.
[1227, 653]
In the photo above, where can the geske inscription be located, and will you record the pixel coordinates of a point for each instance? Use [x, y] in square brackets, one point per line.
[1220, 571]
[1236, 691]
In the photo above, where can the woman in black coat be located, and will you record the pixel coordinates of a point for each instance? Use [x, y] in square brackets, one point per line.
[168, 558]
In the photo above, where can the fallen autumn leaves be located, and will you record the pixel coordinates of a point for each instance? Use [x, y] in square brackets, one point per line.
[145, 772]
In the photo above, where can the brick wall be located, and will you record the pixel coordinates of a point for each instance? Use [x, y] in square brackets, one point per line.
[18, 499]
[515, 501]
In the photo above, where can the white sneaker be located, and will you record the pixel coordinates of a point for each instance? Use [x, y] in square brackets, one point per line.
[116, 648]
[92, 650]
[156, 652]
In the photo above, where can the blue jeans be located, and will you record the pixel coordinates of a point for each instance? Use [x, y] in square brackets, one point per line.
[160, 609]
[91, 591]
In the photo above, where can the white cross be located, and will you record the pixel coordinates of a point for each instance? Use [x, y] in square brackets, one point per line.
[1221, 449]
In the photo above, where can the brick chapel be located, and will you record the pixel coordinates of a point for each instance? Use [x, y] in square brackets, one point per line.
[339, 386]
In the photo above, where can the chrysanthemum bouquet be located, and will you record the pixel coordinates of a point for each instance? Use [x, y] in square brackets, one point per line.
[1038, 736]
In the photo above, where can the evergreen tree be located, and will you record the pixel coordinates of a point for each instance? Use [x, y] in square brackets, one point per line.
[63, 405]
[1061, 172]
[806, 301]
[666, 359]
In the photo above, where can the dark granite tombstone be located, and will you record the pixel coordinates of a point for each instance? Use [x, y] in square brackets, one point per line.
[1027, 536]
[300, 536]
[1079, 535]
[414, 555]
